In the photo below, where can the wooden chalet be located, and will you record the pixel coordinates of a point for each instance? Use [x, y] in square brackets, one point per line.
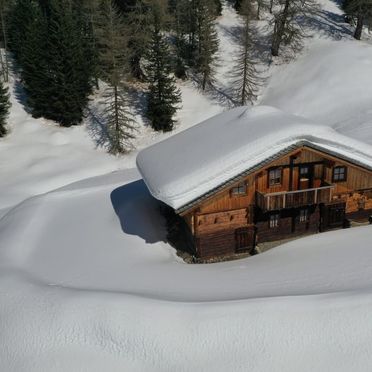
[307, 185]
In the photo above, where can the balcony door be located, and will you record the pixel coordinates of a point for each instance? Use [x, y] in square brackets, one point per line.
[305, 176]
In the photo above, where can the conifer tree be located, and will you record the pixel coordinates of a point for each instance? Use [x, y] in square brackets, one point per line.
[4, 108]
[207, 41]
[138, 17]
[113, 55]
[287, 29]
[245, 72]
[4, 9]
[164, 96]
[50, 44]
[361, 10]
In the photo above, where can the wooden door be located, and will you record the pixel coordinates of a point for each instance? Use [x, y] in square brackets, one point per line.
[245, 239]
[332, 216]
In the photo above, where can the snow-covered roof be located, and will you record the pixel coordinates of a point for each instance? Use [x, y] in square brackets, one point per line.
[208, 156]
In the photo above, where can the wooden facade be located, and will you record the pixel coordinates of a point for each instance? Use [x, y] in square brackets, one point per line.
[302, 192]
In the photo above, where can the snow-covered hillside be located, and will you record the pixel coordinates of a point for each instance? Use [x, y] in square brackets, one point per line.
[88, 283]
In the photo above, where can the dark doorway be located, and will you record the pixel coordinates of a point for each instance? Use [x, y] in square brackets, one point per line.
[244, 239]
[305, 176]
[332, 216]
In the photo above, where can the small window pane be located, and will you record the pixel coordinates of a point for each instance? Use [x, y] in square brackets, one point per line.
[274, 221]
[339, 174]
[240, 189]
[275, 176]
[304, 215]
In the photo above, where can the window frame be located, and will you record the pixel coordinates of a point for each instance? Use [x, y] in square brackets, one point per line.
[274, 220]
[240, 189]
[275, 169]
[335, 177]
[303, 216]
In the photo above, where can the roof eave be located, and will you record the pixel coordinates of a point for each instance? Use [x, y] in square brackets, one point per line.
[303, 143]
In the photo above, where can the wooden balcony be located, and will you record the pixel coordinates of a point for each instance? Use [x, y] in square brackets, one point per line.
[294, 199]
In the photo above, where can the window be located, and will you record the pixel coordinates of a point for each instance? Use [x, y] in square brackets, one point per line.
[339, 174]
[274, 220]
[304, 215]
[275, 176]
[304, 172]
[240, 189]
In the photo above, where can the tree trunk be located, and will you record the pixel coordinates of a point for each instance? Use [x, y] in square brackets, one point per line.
[359, 26]
[279, 29]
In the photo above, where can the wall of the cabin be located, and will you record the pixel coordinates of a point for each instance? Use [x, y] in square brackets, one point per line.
[289, 225]
[215, 221]
[215, 232]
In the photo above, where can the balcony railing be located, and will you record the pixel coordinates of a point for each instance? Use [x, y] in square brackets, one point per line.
[294, 199]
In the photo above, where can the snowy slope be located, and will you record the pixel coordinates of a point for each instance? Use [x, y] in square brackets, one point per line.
[87, 282]
[111, 294]
[331, 84]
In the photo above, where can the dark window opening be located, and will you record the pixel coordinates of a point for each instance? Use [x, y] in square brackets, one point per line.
[274, 220]
[240, 189]
[275, 176]
[339, 174]
[304, 215]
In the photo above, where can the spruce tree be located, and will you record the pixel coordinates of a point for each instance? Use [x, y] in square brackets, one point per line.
[51, 46]
[287, 29]
[164, 96]
[138, 17]
[207, 41]
[4, 9]
[361, 11]
[113, 56]
[4, 108]
[245, 72]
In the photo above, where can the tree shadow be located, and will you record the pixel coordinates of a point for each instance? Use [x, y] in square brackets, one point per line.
[138, 212]
[330, 24]
[97, 128]
[20, 95]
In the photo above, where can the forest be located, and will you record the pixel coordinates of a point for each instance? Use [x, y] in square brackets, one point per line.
[63, 51]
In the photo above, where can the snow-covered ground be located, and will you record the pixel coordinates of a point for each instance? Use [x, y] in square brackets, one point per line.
[88, 283]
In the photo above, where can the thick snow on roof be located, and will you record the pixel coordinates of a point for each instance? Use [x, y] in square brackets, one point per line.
[184, 167]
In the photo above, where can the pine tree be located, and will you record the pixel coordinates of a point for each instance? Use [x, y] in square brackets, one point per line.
[362, 11]
[245, 72]
[4, 108]
[207, 41]
[139, 20]
[113, 55]
[4, 9]
[164, 96]
[51, 45]
[180, 8]
[287, 29]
